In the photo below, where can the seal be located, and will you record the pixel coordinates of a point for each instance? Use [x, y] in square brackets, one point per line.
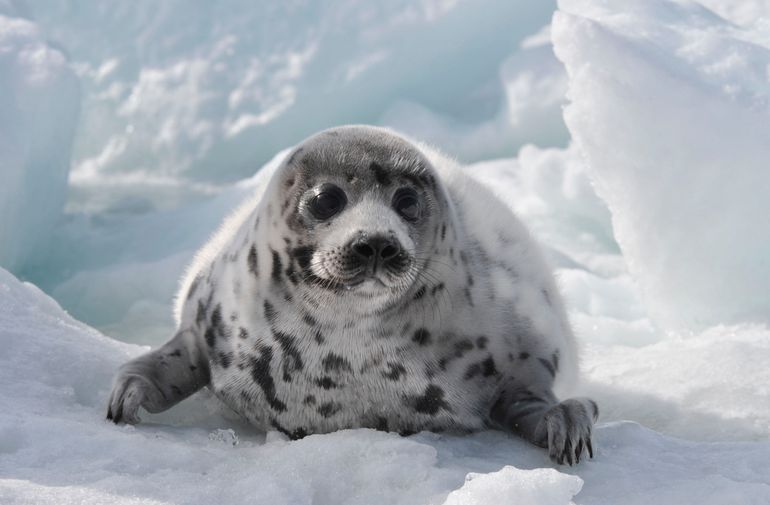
[371, 282]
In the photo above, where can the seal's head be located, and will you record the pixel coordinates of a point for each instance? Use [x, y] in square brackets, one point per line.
[365, 208]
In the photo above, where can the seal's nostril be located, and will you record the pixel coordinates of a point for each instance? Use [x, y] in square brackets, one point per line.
[376, 247]
[363, 249]
[388, 251]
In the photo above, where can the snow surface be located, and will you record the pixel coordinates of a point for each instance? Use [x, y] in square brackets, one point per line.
[665, 271]
[56, 447]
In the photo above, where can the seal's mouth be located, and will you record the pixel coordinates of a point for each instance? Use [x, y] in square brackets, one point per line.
[365, 281]
[360, 280]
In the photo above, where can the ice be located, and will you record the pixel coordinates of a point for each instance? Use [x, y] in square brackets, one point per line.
[39, 102]
[184, 97]
[127, 291]
[670, 106]
[745, 12]
[533, 84]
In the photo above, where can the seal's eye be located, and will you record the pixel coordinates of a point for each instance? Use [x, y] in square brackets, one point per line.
[407, 203]
[328, 201]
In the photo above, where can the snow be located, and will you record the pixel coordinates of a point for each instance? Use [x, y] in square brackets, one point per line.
[648, 195]
[56, 447]
[516, 486]
[39, 102]
[670, 104]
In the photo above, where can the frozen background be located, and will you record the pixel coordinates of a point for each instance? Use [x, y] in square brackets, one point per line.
[632, 136]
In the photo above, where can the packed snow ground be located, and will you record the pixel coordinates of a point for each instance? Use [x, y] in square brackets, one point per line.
[56, 447]
[665, 275]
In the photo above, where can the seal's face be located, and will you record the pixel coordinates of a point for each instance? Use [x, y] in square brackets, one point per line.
[365, 206]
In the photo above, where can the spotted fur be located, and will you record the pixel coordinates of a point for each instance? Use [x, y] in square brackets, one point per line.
[461, 329]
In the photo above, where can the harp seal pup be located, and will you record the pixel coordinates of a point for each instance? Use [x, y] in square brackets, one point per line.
[372, 283]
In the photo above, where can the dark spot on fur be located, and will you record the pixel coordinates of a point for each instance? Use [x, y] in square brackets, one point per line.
[295, 434]
[269, 311]
[222, 331]
[548, 366]
[488, 367]
[193, 287]
[285, 205]
[462, 347]
[177, 392]
[309, 320]
[176, 353]
[472, 371]
[380, 174]
[303, 255]
[277, 267]
[210, 336]
[481, 342]
[420, 293]
[395, 371]
[200, 315]
[431, 401]
[382, 424]
[547, 297]
[336, 363]
[467, 293]
[523, 355]
[260, 372]
[421, 336]
[318, 337]
[309, 400]
[328, 409]
[555, 360]
[242, 333]
[443, 231]
[325, 382]
[292, 358]
[225, 359]
[438, 287]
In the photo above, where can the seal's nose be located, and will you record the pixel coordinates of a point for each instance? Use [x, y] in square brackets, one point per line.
[376, 248]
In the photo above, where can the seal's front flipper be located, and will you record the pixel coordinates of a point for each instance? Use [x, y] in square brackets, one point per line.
[158, 380]
[564, 428]
[567, 428]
